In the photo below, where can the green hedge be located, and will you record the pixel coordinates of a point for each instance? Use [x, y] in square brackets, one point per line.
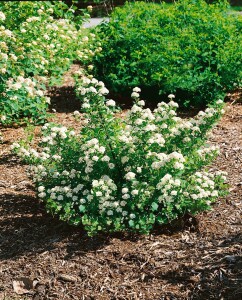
[190, 48]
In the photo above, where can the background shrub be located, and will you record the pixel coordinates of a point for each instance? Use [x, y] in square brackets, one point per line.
[39, 42]
[190, 48]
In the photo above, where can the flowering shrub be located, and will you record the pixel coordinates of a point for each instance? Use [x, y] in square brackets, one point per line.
[23, 98]
[189, 48]
[125, 173]
[39, 42]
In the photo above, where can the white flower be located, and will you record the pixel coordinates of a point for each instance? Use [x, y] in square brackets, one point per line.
[85, 39]
[136, 89]
[52, 196]
[139, 169]
[141, 103]
[138, 122]
[105, 158]
[173, 193]
[135, 95]
[125, 190]
[186, 139]
[129, 176]
[219, 101]
[76, 113]
[103, 91]
[173, 104]
[99, 194]
[214, 193]
[2, 16]
[171, 96]
[124, 159]
[132, 216]
[164, 126]
[42, 195]
[179, 166]
[102, 149]
[135, 192]
[177, 182]
[126, 196]
[110, 103]
[89, 8]
[41, 188]
[135, 108]
[150, 127]
[85, 105]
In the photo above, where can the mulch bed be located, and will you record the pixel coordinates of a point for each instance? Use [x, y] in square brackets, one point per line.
[197, 258]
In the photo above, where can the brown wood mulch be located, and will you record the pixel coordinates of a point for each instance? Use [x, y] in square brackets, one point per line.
[196, 259]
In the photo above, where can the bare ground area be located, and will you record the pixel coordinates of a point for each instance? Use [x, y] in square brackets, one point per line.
[198, 258]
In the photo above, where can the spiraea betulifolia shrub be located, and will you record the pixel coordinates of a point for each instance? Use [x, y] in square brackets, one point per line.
[38, 42]
[125, 173]
[190, 48]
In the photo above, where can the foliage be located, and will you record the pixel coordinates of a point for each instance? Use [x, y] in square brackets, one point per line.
[39, 42]
[125, 173]
[189, 48]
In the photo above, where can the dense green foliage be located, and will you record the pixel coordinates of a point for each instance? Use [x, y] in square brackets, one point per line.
[189, 48]
[128, 173]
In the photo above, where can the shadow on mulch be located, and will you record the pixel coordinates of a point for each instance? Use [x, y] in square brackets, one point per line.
[11, 160]
[26, 227]
[63, 99]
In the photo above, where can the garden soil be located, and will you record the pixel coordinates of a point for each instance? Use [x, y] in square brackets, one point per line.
[195, 258]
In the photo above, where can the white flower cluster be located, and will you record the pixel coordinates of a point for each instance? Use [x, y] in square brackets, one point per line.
[104, 190]
[92, 153]
[6, 58]
[28, 84]
[199, 186]
[91, 87]
[2, 16]
[175, 158]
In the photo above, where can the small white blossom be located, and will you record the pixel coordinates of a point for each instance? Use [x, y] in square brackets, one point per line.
[135, 95]
[130, 176]
[171, 96]
[136, 89]
[110, 103]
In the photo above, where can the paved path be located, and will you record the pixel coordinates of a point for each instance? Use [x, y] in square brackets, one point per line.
[94, 22]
